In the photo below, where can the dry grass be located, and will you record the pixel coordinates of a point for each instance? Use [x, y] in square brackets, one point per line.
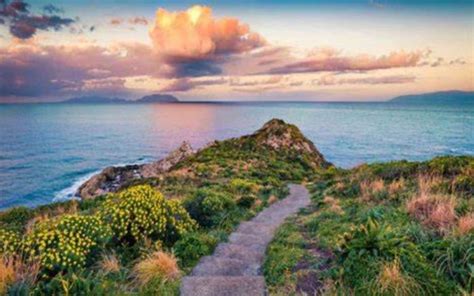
[272, 199]
[7, 274]
[370, 188]
[392, 281]
[333, 204]
[109, 263]
[35, 220]
[426, 183]
[433, 210]
[13, 269]
[158, 265]
[396, 186]
[257, 203]
[466, 224]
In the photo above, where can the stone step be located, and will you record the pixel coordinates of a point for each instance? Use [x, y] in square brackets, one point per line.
[256, 228]
[249, 239]
[215, 266]
[239, 252]
[223, 286]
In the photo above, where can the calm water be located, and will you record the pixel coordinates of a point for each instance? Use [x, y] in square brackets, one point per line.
[47, 150]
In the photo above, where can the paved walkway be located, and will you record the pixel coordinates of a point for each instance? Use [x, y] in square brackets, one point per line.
[235, 267]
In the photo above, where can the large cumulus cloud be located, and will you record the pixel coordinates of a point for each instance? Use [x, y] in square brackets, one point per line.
[195, 35]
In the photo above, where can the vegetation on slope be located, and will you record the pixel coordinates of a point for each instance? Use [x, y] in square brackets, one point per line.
[398, 228]
[142, 239]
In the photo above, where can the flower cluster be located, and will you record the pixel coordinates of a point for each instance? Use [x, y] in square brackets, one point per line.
[9, 241]
[67, 242]
[140, 212]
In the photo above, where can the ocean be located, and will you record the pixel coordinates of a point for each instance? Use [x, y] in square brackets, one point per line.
[48, 150]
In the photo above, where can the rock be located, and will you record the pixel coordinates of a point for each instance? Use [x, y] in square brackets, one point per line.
[112, 179]
[155, 168]
[278, 135]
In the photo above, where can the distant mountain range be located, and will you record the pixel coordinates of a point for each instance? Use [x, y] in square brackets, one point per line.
[442, 97]
[454, 97]
[156, 98]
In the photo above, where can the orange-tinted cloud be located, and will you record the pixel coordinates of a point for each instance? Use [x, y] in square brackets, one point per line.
[194, 34]
[392, 79]
[332, 60]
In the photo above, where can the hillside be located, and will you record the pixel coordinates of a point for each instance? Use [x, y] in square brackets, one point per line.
[158, 98]
[398, 228]
[150, 99]
[444, 97]
[95, 100]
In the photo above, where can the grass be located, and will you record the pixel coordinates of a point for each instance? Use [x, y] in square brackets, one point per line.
[399, 228]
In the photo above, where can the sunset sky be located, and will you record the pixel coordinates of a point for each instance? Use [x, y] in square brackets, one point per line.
[234, 50]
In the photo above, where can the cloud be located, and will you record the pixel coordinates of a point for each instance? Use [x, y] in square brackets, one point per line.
[138, 20]
[194, 35]
[392, 79]
[23, 24]
[33, 70]
[332, 60]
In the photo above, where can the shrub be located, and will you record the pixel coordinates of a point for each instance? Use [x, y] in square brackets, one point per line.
[158, 265]
[140, 212]
[208, 206]
[66, 243]
[371, 239]
[435, 211]
[246, 201]
[242, 186]
[464, 185]
[391, 280]
[466, 224]
[109, 263]
[193, 246]
[9, 241]
[453, 257]
[15, 218]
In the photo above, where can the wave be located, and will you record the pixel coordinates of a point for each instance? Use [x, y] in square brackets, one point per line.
[70, 193]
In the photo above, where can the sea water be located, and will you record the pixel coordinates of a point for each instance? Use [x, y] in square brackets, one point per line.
[48, 150]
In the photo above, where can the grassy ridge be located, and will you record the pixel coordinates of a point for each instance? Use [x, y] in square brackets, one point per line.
[399, 228]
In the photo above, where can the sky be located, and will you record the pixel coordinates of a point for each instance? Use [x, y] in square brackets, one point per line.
[234, 50]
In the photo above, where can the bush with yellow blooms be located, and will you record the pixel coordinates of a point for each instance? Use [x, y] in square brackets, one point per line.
[141, 212]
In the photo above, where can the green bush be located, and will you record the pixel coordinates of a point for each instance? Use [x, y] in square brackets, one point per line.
[246, 201]
[69, 242]
[193, 246]
[208, 206]
[140, 212]
[242, 186]
[15, 218]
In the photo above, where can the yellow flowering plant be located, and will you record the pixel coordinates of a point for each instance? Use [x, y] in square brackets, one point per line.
[66, 243]
[9, 241]
[141, 212]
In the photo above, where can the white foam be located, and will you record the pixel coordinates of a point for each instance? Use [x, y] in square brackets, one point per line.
[70, 193]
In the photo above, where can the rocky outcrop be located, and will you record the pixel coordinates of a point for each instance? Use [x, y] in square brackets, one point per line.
[279, 135]
[112, 179]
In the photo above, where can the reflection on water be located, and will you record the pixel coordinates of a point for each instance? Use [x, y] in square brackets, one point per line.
[46, 149]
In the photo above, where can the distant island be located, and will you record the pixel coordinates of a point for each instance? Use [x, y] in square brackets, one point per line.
[150, 99]
[442, 97]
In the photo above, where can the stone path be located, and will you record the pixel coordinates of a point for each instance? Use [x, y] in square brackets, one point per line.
[235, 267]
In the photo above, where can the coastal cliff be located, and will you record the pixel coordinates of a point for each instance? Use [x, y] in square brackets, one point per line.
[275, 135]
